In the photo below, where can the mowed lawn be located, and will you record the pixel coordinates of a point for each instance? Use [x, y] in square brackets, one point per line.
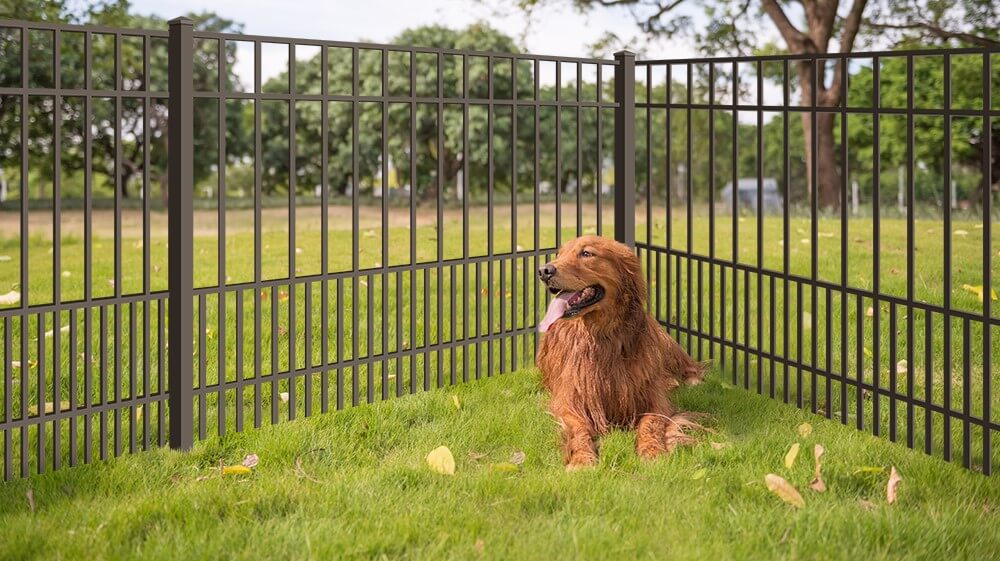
[355, 485]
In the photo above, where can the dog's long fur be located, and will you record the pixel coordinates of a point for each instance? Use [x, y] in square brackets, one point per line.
[612, 365]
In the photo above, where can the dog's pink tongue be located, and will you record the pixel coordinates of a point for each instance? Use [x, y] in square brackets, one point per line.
[556, 310]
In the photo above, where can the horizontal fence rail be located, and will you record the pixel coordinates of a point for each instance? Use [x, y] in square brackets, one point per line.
[201, 231]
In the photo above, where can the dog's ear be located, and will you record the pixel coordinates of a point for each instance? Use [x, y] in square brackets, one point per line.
[633, 283]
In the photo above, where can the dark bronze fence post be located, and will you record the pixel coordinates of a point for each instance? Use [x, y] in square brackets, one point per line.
[625, 148]
[180, 233]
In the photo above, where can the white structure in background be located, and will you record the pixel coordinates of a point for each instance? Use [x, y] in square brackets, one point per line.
[392, 180]
[607, 176]
[3, 187]
[855, 198]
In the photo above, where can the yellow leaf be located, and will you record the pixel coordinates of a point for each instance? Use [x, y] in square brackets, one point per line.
[870, 311]
[456, 401]
[978, 291]
[441, 461]
[890, 488]
[793, 453]
[777, 485]
[699, 474]
[138, 413]
[805, 429]
[235, 470]
[806, 321]
[817, 483]
[283, 396]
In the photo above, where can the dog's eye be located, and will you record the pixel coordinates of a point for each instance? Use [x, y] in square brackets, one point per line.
[586, 253]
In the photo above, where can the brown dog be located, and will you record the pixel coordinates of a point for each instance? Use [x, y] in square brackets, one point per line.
[604, 359]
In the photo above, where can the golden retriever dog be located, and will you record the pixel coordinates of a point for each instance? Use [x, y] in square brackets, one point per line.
[604, 359]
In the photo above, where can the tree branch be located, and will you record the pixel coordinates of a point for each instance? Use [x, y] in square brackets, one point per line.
[939, 32]
[852, 23]
[797, 41]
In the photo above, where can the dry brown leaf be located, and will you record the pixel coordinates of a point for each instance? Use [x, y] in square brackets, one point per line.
[480, 545]
[866, 504]
[251, 460]
[793, 453]
[30, 494]
[11, 298]
[890, 487]
[817, 483]
[517, 458]
[476, 456]
[901, 367]
[300, 472]
[783, 489]
[870, 311]
[441, 461]
[719, 445]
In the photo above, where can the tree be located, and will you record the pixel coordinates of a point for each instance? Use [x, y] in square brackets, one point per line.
[814, 27]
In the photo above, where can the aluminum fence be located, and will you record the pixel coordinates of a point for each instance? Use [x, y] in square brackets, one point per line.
[204, 231]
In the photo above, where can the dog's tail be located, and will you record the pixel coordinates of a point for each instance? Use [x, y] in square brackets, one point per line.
[695, 372]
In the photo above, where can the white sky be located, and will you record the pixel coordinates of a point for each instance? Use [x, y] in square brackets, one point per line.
[558, 30]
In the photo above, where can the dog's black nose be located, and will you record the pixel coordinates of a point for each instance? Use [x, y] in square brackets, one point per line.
[546, 272]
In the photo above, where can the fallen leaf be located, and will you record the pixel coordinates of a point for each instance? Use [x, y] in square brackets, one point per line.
[870, 311]
[890, 487]
[817, 483]
[699, 474]
[961, 233]
[504, 467]
[804, 240]
[901, 367]
[4, 258]
[777, 485]
[517, 458]
[51, 332]
[868, 352]
[718, 445]
[282, 296]
[866, 504]
[793, 453]
[805, 429]
[66, 274]
[456, 401]
[235, 470]
[441, 461]
[49, 408]
[868, 469]
[30, 494]
[251, 460]
[137, 413]
[806, 321]
[978, 291]
[480, 545]
[298, 251]
[476, 456]
[300, 472]
[283, 396]
[11, 298]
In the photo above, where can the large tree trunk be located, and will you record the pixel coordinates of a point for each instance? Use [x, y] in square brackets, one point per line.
[828, 184]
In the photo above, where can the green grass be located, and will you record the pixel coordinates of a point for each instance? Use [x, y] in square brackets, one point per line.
[370, 381]
[369, 494]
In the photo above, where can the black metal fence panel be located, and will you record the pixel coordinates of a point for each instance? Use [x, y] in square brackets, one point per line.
[821, 227]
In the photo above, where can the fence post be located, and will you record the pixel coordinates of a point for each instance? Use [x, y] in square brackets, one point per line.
[180, 234]
[625, 148]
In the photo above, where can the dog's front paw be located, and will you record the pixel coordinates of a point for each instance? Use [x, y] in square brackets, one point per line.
[579, 462]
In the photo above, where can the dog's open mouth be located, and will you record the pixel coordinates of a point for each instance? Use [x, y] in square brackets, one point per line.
[567, 304]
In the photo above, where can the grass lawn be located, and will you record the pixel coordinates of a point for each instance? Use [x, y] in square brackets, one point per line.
[354, 484]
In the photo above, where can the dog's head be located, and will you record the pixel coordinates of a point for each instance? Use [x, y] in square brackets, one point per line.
[593, 275]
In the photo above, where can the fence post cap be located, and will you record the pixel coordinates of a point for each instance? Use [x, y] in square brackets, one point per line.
[624, 53]
[182, 20]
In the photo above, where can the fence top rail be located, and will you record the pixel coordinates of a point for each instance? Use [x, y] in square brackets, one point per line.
[821, 56]
[398, 48]
[73, 28]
